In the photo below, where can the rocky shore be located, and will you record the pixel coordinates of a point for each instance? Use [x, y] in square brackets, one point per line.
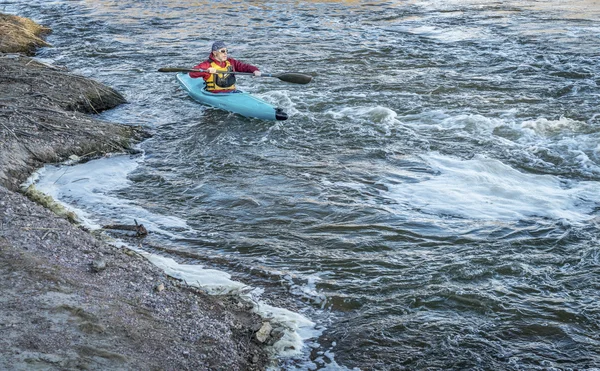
[70, 300]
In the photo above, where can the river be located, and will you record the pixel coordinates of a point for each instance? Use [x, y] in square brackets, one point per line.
[433, 201]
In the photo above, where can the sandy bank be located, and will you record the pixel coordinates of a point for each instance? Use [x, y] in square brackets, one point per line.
[69, 300]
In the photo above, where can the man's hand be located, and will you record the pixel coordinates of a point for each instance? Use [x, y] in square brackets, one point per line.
[257, 73]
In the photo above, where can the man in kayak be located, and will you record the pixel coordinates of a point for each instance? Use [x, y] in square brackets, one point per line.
[217, 65]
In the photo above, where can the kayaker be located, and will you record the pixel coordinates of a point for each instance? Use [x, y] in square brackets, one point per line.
[218, 64]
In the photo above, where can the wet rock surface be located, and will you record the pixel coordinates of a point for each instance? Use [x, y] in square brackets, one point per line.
[44, 117]
[69, 300]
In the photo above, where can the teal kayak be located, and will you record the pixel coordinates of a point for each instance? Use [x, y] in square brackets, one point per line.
[236, 102]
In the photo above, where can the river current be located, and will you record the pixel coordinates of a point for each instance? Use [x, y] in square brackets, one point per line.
[433, 201]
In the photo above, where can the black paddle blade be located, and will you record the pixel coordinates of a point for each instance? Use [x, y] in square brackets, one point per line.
[175, 69]
[296, 78]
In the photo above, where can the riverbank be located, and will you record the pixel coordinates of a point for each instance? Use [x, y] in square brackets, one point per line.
[70, 300]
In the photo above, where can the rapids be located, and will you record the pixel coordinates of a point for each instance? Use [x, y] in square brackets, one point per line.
[432, 202]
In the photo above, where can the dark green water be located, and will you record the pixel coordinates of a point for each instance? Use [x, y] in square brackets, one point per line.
[433, 200]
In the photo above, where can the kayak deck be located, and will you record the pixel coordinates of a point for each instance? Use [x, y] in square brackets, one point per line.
[237, 102]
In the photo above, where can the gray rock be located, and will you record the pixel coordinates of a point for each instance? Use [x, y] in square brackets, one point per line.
[264, 333]
[98, 265]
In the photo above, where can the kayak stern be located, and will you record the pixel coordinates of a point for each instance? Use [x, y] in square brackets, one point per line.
[280, 115]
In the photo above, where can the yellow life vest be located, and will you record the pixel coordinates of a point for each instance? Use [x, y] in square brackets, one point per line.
[221, 81]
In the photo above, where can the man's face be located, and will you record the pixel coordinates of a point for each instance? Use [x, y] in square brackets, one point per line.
[220, 55]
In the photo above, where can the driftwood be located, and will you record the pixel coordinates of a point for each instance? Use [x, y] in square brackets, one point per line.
[139, 229]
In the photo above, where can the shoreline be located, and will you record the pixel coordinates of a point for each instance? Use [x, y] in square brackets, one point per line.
[70, 300]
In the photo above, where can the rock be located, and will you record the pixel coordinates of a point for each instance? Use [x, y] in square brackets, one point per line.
[98, 265]
[160, 287]
[34, 131]
[276, 334]
[21, 35]
[264, 333]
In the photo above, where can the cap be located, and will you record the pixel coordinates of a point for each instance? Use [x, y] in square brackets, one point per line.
[218, 45]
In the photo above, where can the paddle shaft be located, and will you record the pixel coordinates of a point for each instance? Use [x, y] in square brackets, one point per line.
[177, 69]
[296, 78]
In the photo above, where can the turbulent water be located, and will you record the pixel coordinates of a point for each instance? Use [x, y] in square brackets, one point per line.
[433, 201]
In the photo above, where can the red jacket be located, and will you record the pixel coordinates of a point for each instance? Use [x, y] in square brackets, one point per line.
[237, 66]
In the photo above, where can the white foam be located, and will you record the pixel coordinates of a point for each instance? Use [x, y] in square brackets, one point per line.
[568, 138]
[544, 127]
[77, 187]
[487, 189]
[88, 190]
[376, 114]
[450, 35]
[575, 142]
[212, 281]
[467, 123]
[299, 328]
[280, 99]
[367, 120]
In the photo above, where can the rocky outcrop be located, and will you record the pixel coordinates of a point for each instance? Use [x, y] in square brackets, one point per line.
[44, 118]
[20, 35]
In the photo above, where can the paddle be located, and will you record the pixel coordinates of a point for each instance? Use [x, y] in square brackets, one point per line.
[296, 78]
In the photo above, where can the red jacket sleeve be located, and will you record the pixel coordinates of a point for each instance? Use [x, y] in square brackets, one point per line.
[202, 66]
[241, 66]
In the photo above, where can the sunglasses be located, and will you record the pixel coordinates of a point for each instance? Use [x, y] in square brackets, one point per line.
[223, 51]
